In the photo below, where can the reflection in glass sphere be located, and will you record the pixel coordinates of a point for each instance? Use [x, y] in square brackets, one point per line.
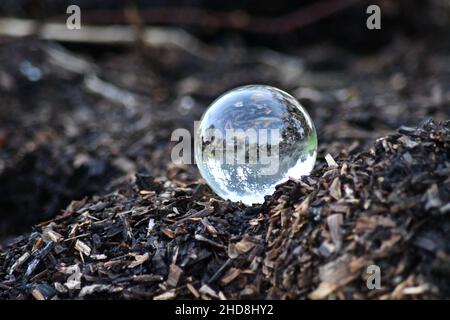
[252, 138]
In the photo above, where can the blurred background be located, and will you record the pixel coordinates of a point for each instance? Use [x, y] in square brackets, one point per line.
[81, 111]
[280, 24]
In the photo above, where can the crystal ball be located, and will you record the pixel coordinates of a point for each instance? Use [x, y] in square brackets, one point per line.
[251, 139]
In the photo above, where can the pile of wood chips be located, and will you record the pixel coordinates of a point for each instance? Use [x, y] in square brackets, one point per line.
[386, 208]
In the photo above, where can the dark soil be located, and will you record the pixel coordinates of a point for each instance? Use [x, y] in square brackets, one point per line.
[88, 147]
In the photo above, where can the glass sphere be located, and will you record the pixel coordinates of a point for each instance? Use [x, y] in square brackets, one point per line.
[251, 139]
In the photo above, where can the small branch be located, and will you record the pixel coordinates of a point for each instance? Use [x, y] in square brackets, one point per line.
[151, 36]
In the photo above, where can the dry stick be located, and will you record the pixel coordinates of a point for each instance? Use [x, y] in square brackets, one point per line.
[151, 36]
[219, 20]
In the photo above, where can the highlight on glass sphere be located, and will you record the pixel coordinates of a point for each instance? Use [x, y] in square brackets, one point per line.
[251, 139]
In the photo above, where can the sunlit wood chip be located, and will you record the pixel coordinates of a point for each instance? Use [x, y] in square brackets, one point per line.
[244, 246]
[232, 274]
[82, 247]
[52, 235]
[193, 290]
[330, 161]
[139, 259]
[19, 262]
[166, 295]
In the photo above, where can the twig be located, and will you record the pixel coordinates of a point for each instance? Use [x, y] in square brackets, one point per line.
[151, 36]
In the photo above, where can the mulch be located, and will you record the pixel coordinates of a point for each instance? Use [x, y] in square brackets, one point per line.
[121, 221]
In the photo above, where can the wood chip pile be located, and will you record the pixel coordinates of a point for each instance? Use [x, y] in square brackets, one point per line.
[314, 238]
